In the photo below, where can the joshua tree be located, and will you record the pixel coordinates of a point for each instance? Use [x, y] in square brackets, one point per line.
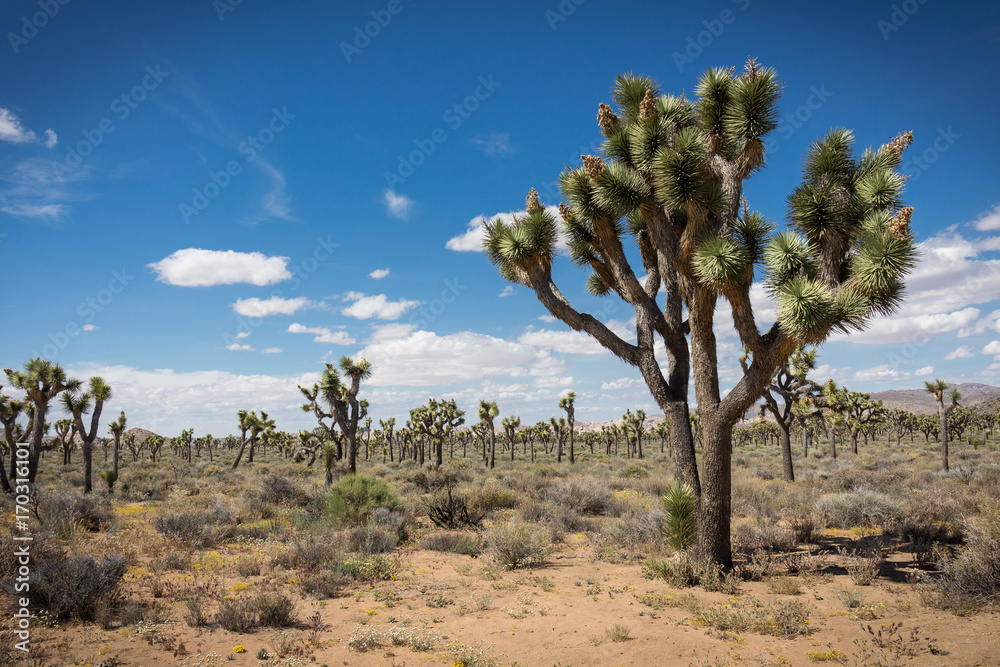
[861, 412]
[937, 389]
[488, 411]
[388, 427]
[633, 424]
[342, 399]
[672, 178]
[99, 392]
[116, 428]
[435, 421]
[792, 385]
[10, 411]
[65, 435]
[566, 403]
[510, 425]
[153, 443]
[41, 381]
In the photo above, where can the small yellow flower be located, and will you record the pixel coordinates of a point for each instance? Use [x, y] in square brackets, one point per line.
[239, 648]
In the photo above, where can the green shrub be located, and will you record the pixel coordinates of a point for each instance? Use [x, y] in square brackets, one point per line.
[60, 512]
[490, 497]
[584, 494]
[188, 527]
[237, 615]
[354, 497]
[680, 522]
[274, 610]
[454, 542]
[516, 544]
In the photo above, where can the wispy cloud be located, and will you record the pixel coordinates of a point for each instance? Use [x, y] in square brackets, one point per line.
[323, 334]
[12, 131]
[32, 189]
[398, 206]
[379, 274]
[274, 305]
[493, 144]
[506, 291]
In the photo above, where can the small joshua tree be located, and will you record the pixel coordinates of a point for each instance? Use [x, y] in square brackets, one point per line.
[937, 389]
[435, 421]
[566, 403]
[488, 411]
[341, 397]
[671, 179]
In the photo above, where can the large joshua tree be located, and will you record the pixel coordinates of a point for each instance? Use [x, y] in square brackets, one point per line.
[937, 389]
[671, 178]
[341, 396]
[435, 421]
[77, 405]
[41, 381]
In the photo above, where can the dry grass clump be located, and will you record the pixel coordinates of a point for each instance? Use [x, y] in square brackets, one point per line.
[971, 580]
[586, 495]
[466, 544]
[860, 507]
[517, 544]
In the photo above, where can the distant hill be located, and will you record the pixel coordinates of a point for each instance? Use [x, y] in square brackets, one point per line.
[919, 401]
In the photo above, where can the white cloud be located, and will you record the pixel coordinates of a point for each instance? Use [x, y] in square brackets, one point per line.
[472, 239]
[989, 221]
[548, 319]
[493, 144]
[993, 347]
[899, 329]
[166, 401]
[622, 383]
[274, 305]
[402, 355]
[89, 327]
[12, 131]
[962, 352]
[379, 274]
[398, 206]
[34, 189]
[196, 267]
[273, 350]
[378, 306]
[236, 347]
[243, 334]
[555, 382]
[574, 342]
[506, 291]
[323, 335]
[926, 370]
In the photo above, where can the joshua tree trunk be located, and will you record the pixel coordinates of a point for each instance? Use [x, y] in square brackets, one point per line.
[786, 452]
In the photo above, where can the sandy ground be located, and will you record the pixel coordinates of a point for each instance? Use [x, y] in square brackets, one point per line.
[553, 615]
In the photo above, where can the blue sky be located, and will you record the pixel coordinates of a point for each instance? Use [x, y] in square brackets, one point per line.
[204, 201]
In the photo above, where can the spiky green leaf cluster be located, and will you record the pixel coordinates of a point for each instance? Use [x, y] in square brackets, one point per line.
[529, 239]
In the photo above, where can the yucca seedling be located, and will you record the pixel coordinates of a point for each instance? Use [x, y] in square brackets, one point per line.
[680, 524]
[110, 477]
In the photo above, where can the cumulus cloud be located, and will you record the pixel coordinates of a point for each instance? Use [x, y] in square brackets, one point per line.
[472, 239]
[506, 291]
[378, 306]
[379, 274]
[926, 370]
[398, 206]
[993, 347]
[622, 383]
[323, 334]
[12, 131]
[237, 347]
[962, 352]
[274, 305]
[89, 327]
[573, 342]
[989, 221]
[402, 355]
[196, 267]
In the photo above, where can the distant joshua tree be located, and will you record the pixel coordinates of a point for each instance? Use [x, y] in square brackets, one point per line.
[937, 389]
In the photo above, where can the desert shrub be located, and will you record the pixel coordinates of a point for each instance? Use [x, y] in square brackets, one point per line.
[632, 471]
[187, 527]
[860, 507]
[354, 497]
[431, 480]
[324, 584]
[453, 542]
[784, 618]
[60, 512]
[629, 537]
[274, 610]
[491, 496]
[678, 571]
[276, 490]
[377, 567]
[517, 544]
[972, 579]
[249, 566]
[371, 539]
[448, 509]
[74, 585]
[586, 495]
[237, 615]
[749, 537]
[783, 586]
[568, 520]
[309, 552]
[254, 508]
